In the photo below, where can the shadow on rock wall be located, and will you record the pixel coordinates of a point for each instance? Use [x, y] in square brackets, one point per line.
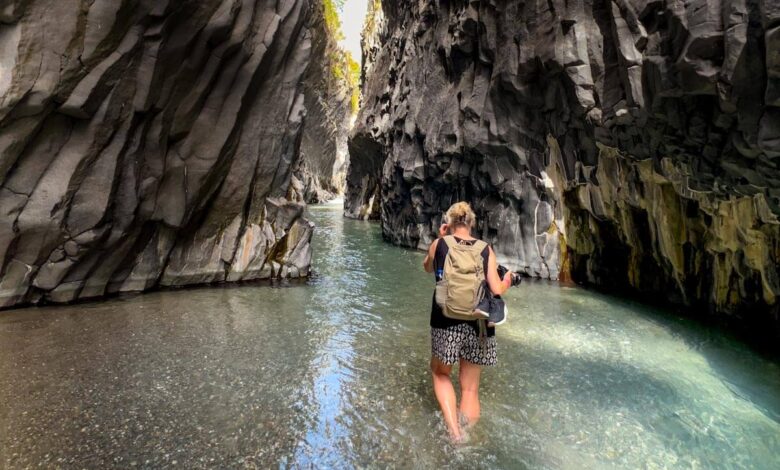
[147, 143]
[629, 144]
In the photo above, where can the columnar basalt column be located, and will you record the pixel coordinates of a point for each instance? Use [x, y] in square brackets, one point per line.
[630, 144]
[149, 143]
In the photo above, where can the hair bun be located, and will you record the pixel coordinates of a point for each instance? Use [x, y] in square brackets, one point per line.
[461, 213]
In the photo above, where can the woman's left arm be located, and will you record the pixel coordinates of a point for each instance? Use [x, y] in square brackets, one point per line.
[497, 285]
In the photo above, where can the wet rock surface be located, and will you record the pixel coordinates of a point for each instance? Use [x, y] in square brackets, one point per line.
[627, 144]
[149, 143]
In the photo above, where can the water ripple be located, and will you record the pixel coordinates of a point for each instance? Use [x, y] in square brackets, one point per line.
[333, 373]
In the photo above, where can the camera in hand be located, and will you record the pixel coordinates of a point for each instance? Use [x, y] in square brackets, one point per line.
[516, 279]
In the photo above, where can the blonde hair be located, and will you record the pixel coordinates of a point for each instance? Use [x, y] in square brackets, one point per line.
[460, 213]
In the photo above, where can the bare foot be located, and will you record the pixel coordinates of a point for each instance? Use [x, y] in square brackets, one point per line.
[465, 422]
[456, 439]
[460, 439]
[456, 434]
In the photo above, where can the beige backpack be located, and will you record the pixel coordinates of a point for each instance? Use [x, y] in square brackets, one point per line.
[462, 284]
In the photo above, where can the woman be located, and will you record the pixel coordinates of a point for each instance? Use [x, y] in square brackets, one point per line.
[458, 340]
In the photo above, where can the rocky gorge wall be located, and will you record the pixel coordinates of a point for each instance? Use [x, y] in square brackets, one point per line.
[328, 93]
[149, 143]
[628, 144]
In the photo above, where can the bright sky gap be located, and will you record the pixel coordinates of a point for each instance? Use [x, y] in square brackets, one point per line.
[352, 16]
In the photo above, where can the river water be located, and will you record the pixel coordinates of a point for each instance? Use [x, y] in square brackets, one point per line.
[332, 373]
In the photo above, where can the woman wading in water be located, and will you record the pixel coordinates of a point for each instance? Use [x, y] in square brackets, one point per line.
[460, 340]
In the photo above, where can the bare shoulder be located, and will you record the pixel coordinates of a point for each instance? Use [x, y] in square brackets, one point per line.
[491, 254]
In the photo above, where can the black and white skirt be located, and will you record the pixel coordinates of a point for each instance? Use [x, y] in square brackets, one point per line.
[463, 341]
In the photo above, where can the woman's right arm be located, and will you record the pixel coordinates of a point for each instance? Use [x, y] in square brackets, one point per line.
[497, 285]
[428, 263]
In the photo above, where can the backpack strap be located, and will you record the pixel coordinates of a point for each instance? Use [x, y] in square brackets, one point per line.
[480, 245]
[450, 241]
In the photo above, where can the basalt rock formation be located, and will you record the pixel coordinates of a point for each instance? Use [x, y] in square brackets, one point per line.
[149, 143]
[630, 144]
[327, 96]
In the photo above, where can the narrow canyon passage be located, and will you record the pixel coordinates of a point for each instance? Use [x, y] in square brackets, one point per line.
[332, 372]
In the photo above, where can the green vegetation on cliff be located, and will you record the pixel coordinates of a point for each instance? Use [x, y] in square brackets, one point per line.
[354, 82]
[374, 8]
[331, 14]
[343, 66]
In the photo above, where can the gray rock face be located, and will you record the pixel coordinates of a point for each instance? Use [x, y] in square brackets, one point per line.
[631, 144]
[149, 143]
[327, 97]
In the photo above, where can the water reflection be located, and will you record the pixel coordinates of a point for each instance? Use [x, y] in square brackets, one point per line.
[333, 373]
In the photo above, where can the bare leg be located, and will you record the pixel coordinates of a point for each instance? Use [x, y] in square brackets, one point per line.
[469, 391]
[445, 394]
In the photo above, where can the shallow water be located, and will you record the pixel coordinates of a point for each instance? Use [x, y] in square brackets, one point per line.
[332, 373]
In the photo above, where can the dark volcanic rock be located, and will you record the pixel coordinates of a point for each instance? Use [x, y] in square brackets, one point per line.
[328, 93]
[630, 144]
[147, 143]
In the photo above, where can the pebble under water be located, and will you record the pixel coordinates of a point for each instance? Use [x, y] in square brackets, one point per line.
[333, 373]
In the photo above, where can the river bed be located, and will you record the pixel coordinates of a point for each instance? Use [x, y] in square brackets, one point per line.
[333, 373]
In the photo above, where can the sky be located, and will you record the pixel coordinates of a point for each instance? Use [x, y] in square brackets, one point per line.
[352, 16]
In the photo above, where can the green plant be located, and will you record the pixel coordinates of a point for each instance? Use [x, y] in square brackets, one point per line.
[354, 82]
[343, 67]
[331, 13]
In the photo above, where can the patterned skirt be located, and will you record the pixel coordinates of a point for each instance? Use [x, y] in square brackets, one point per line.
[463, 341]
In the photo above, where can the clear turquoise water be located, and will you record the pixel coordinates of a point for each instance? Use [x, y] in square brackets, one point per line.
[332, 373]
